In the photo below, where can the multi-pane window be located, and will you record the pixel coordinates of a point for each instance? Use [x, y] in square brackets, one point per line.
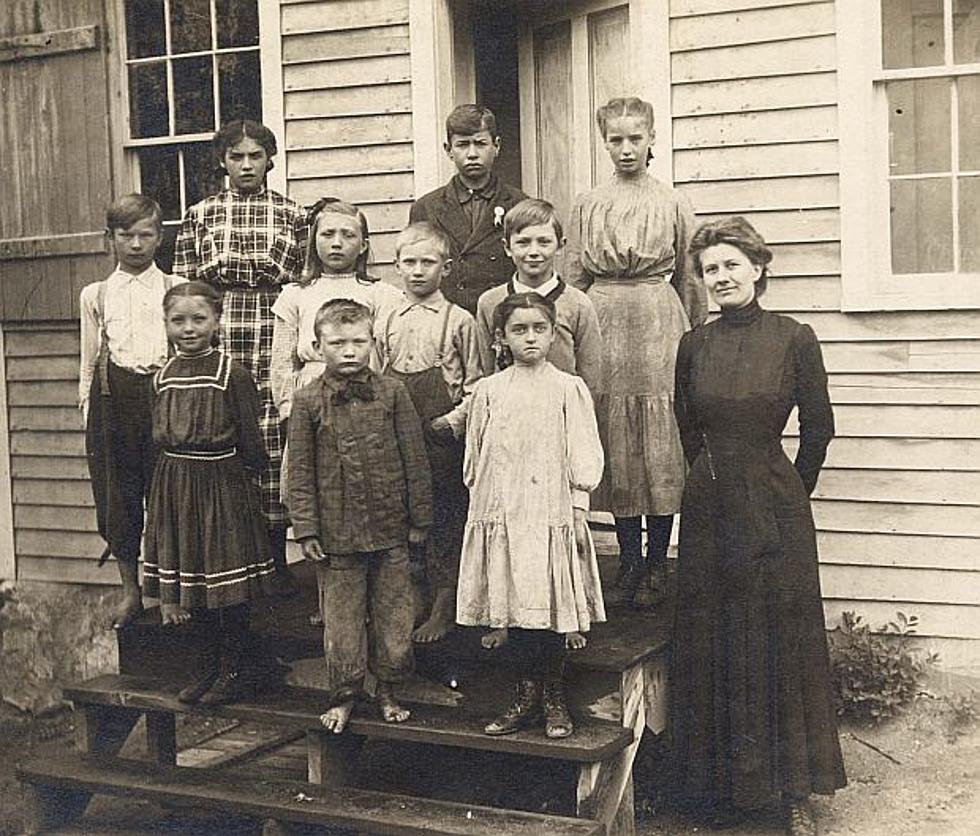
[191, 65]
[930, 75]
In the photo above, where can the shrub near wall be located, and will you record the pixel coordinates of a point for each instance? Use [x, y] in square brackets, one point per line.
[52, 635]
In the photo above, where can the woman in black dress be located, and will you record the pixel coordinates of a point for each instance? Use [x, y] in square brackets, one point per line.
[753, 714]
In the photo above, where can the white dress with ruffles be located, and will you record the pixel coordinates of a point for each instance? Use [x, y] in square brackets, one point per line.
[532, 445]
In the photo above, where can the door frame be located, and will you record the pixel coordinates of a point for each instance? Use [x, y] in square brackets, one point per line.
[444, 75]
[649, 38]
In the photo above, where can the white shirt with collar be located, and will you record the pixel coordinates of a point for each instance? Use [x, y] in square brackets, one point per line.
[541, 290]
[133, 322]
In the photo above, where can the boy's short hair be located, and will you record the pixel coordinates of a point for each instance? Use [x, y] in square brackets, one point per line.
[423, 231]
[530, 212]
[123, 212]
[341, 312]
[469, 119]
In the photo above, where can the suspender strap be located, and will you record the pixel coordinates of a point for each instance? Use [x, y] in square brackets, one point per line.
[445, 331]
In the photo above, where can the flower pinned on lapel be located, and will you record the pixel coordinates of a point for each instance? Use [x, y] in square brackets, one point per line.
[498, 215]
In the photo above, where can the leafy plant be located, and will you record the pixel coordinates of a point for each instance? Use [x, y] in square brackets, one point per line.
[875, 673]
[964, 713]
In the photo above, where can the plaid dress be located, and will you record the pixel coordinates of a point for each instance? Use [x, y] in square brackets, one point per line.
[248, 246]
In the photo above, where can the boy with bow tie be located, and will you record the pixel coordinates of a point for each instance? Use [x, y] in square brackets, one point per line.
[359, 493]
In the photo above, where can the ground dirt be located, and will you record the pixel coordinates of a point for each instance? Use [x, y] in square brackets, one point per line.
[918, 774]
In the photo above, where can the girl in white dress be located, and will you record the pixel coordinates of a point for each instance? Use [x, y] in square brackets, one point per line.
[528, 568]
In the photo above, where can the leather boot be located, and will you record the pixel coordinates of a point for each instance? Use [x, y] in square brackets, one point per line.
[525, 711]
[557, 720]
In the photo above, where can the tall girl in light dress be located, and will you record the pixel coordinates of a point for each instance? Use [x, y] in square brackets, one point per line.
[628, 248]
[528, 567]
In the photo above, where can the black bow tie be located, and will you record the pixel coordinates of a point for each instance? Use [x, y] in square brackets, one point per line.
[350, 390]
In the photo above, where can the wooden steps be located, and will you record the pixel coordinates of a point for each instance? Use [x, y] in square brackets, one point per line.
[593, 741]
[76, 776]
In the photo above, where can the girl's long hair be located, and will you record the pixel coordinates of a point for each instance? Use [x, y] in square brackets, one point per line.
[312, 265]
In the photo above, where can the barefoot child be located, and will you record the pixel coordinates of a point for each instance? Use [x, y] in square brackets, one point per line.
[207, 549]
[359, 494]
[528, 567]
[123, 343]
[429, 344]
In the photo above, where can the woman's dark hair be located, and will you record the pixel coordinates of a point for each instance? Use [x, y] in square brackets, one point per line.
[231, 133]
[312, 265]
[739, 233]
[503, 312]
[201, 289]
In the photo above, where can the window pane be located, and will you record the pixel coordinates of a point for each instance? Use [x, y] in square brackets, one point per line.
[911, 33]
[970, 224]
[922, 226]
[193, 95]
[918, 126]
[190, 25]
[148, 114]
[240, 85]
[968, 88]
[201, 173]
[144, 28]
[159, 179]
[966, 31]
[238, 23]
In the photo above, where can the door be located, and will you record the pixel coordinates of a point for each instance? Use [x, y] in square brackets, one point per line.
[573, 58]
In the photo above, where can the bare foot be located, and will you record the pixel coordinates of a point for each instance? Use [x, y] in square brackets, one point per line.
[391, 711]
[173, 614]
[495, 638]
[575, 641]
[335, 719]
[440, 621]
[126, 612]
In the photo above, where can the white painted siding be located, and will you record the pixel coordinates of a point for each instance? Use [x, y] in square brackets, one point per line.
[755, 128]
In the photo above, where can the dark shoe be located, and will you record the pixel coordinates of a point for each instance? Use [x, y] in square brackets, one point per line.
[193, 693]
[525, 711]
[624, 590]
[799, 820]
[652, 589]
[227, 688]
[557, 720]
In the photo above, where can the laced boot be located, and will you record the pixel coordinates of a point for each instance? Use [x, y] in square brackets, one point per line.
[525, 710]
[192, 693]
[652, 588]
[626, 586]
[557, 720]
[227, 688]
[799, 819]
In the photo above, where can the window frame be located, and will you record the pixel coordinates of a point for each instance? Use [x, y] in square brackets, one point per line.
[868, 283]
[125, 164]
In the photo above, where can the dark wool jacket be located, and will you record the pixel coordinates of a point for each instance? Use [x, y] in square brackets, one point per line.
[479, 260]
[358, 470]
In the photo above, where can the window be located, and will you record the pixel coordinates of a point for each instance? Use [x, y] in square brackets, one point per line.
[190, 66]
[910, 146]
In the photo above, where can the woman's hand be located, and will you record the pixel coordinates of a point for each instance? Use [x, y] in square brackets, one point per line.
[312, 550]
[441, 425]
[581, 531]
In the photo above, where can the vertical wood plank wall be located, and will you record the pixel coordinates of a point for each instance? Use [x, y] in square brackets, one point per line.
[348, 96]
[754, 94]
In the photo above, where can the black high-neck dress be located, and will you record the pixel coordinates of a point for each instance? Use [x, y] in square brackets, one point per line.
[751, 703]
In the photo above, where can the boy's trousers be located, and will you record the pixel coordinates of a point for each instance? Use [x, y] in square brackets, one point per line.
[367, 608]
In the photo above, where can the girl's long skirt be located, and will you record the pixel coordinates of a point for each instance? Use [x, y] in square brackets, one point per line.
[206, 539]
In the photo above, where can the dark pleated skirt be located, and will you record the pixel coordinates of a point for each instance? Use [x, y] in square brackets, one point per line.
[206, 539]
[752, 714]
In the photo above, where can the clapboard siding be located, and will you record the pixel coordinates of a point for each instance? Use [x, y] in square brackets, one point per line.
[755, 129]
[54, 517]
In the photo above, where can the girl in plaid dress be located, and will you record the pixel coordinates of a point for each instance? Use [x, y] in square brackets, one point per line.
[247, 242]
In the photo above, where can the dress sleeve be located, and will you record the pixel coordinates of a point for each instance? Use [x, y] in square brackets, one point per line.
[813, 401]
[301, 474]
[283, 361]
[583, 449]
[484, 335]
[243, 400]
[186, 248]
[465, 345]
[573, 271]
[476, 423]
[691, 439]
[91, 338]
[588, 346]
[411, 444]
[686, 282]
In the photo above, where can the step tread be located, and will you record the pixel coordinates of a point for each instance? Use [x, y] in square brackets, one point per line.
[295, 801]
[594, 740]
